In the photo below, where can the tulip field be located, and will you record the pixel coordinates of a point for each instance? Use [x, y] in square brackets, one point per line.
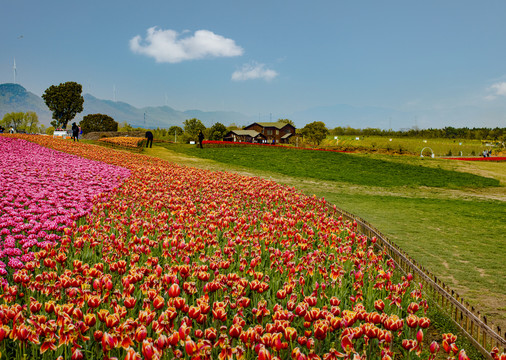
[113, 255]
[124, 141]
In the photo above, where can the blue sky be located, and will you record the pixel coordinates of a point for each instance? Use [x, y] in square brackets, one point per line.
[264, 57]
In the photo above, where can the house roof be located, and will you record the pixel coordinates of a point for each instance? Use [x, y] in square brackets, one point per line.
[286, 136]
[251, 133]
[277, 125]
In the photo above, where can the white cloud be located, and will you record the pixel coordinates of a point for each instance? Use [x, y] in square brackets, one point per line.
[169, 46]
[499, 89]
[254, 71]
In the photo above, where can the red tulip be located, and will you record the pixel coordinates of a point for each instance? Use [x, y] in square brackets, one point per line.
[264, 354]
[220, 314]
[210, 334]
[94, 301]
[413, 308]
[35, 306]
[77, 354]
[434, 347]
[412, 321]
[408, 344]
[112, 320]
[158, 302]
[190, 346]
[129, 302]
[194, 312]
[140, 333]
[235, 331]
[132, 355]
[174, 290]
[173, 338]
[424, 322]
[49, 306]
[148, 350]
[347, 344]
[98, 335]
[108, 342]
[321, 328]
[179, 303]
[379, 305]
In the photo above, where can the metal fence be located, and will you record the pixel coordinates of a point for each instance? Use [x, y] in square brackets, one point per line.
[466, 317]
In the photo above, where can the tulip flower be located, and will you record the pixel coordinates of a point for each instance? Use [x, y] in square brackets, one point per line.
[174, 291]
[190, 346]
[158, 253]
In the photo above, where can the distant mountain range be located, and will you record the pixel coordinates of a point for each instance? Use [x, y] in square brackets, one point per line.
[15, 98]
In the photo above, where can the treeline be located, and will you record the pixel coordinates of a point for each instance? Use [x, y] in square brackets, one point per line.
[496, 134]
[188, 132]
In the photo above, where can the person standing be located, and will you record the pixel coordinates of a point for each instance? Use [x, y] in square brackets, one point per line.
[75, 132]
[201, 138]
[149, 136]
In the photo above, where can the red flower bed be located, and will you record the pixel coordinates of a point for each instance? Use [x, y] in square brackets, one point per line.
[481, 158]
[187, 263]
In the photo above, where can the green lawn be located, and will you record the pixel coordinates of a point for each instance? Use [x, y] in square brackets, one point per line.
[341, 167]
[447, 220]
[440, 146]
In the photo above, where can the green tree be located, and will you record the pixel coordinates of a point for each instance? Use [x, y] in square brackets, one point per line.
[175, 130]
[98, 122]
[50, 130]
[14, 119]
[315, 132]
[65, 101]
[233, 126]
[125, 127]
[192, 128]
[31, 121]
[217, 131]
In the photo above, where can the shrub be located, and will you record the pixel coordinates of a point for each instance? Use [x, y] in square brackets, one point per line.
[98, 122]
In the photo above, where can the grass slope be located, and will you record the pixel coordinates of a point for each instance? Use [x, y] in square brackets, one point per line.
[340, 167]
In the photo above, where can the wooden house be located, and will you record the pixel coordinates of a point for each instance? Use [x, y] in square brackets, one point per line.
[251, 136]
[273, 132]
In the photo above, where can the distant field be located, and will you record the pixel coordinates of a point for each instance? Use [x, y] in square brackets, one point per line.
[332, 166]
[440, 147]
[451, 222]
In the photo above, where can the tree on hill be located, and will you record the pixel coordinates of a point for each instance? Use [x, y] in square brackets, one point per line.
[65, 101]
[98, 122]
[315, 132]
[217, 131]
